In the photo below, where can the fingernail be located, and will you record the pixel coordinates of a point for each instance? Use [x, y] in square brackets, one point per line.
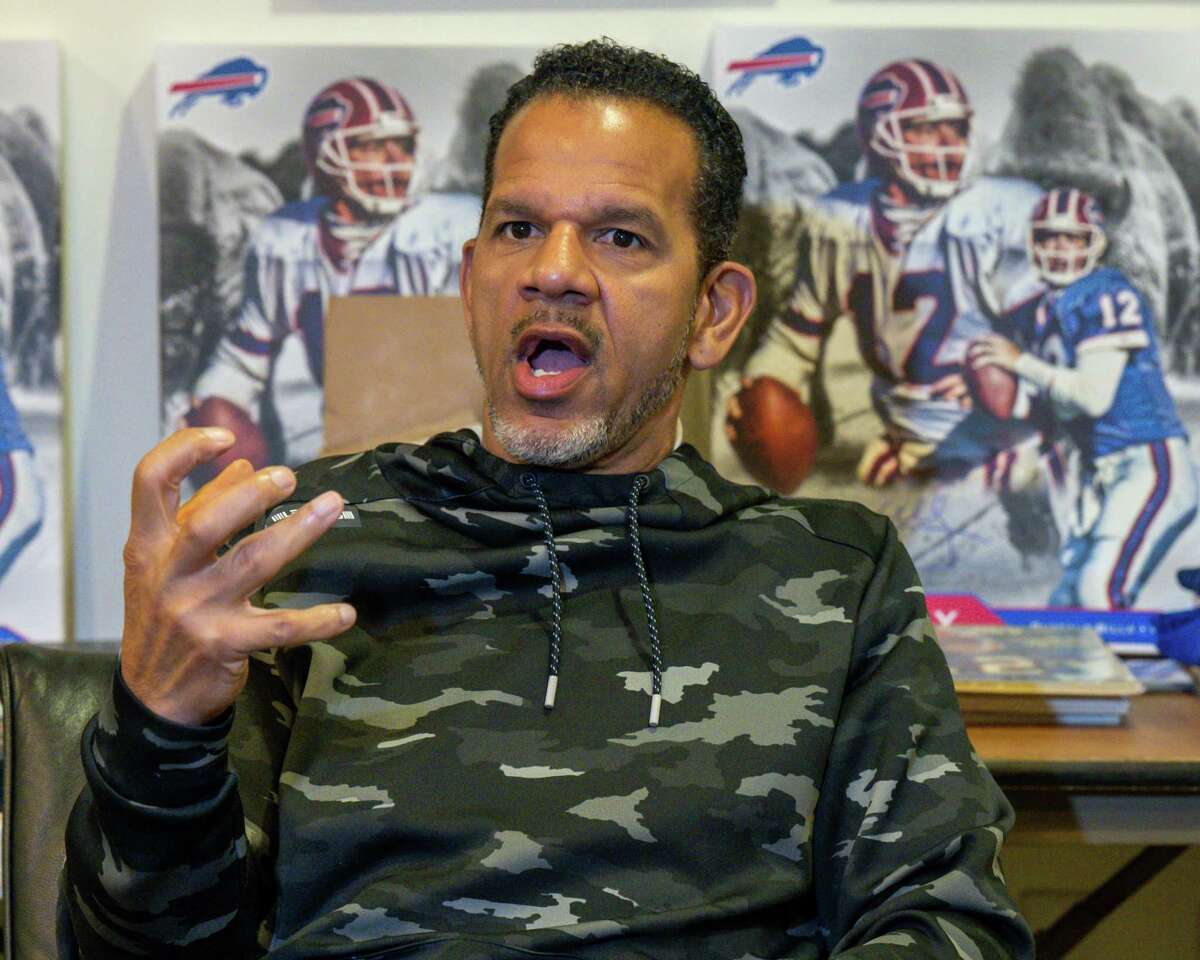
[326, 504]
[218, 434]
[281, 477]
[346, 614]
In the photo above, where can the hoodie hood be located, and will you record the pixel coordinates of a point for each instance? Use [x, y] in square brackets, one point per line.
[454, 480]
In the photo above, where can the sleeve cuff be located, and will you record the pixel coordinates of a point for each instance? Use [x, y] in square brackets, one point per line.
[1120, 340]
[1037, 371]
[154, 761]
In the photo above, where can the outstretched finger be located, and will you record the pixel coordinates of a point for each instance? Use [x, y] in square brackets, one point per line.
[228, 510]
[251, 562]
[271, 629]
[983, 356]
[159, 474]
[235, 472]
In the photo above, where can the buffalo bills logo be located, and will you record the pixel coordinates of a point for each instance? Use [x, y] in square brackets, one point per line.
[884, 94]
[790, 62]
[232, 82]
[327, 113]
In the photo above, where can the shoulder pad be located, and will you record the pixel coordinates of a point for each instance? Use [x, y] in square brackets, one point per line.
[438, 218]
[855, 192]
[1084, 292]
[992, 203]
[288, 228]
[298, 211]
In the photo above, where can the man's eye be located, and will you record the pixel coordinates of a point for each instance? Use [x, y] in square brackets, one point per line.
[517, 230]
[625, 239]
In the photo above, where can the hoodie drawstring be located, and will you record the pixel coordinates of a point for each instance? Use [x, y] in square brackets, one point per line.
[635, 544]
[530, 482]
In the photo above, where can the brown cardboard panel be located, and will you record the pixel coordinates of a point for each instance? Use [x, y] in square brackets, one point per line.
[396, 368]
[401, 368]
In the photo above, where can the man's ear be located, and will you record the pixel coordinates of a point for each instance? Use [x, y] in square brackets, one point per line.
[727, 297]
[464, 279]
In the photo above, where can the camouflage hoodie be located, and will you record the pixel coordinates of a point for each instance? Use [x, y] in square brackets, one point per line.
[402, 791]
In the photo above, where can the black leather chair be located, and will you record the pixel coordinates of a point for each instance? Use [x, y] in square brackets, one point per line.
[49, 694]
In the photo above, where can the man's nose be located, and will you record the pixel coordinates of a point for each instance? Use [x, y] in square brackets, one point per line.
[395, 149]
[559, 269]
[948, 133]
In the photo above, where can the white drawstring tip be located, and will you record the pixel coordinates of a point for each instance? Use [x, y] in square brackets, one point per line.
[551, 690]
[655, 708]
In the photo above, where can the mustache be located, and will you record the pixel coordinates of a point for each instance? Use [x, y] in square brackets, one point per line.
[590, 333]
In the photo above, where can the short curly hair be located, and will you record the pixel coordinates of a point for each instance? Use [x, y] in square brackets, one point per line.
[605, 68]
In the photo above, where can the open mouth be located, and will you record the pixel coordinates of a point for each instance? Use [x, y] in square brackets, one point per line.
[552, 361]
[553, 355]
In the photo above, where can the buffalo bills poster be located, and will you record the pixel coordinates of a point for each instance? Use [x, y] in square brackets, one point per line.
[979, 304]
[290, 176]
[32, 563]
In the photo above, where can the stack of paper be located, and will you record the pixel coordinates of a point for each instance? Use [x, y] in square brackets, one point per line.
[1037, 675]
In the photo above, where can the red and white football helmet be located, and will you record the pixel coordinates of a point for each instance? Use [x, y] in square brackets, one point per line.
[1066, 235]
[915, 91]
[341, 124]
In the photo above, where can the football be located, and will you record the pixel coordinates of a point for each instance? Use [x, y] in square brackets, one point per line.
[776, 435]
[993, 388]
[250, 443]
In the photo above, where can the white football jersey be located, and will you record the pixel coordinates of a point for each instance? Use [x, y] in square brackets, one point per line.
[292, 269]
[916, 301]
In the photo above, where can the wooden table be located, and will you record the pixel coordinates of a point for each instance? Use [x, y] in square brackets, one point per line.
[1138, 783]
[1134, 784]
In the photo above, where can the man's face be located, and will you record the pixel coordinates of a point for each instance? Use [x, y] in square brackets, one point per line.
[581, 288]
[382, 165]
[1063, 240]
[1061, 251]
[946, 140]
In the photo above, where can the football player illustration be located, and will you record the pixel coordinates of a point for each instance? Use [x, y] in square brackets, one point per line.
[922, 257]
[21, 505]
[1088, 348]
[21, 497]
[365, 230]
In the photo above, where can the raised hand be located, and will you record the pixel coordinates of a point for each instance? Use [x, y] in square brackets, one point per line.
[994, 350]
[189, 625]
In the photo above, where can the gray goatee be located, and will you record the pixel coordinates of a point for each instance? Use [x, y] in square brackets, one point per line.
[585, 441]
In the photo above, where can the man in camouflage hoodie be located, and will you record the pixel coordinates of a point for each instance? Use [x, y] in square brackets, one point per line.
[555, 690]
